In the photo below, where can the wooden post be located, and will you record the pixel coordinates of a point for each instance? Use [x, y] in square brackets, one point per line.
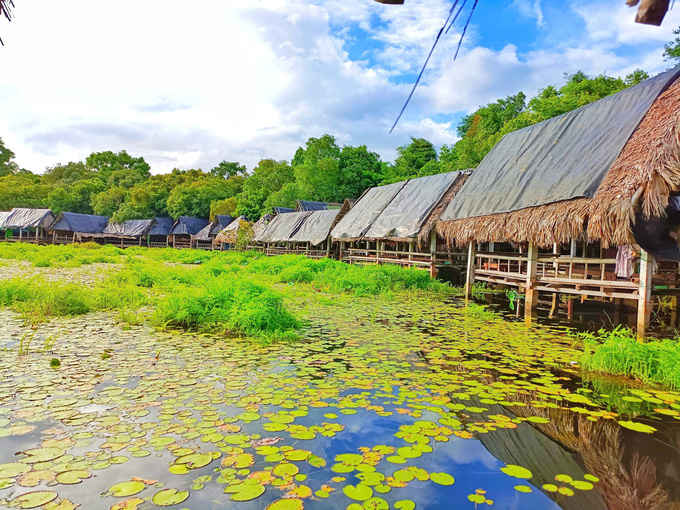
[470, 276]
[674, 311]
[645, 294]
[531, 292]
[573, 248]
[410, 254]
[433, 253]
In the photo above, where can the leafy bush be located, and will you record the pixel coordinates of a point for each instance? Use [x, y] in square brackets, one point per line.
[619, 352]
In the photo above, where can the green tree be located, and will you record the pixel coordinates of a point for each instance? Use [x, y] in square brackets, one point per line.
[107, 202]
[671, 50]
[228, 169]
[108, 164]
[22, 190]
[76, 198]
[268, 177]
[360, 169]
[223, 207]
[65, 175]
[410, 160]
[196, 198]
[7, 165]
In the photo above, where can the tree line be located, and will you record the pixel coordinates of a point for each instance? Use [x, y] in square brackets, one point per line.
[121, 185]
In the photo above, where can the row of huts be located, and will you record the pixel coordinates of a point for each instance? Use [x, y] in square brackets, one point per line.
[585, 205]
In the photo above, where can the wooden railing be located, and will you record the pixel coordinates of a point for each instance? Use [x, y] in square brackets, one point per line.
[374, 256]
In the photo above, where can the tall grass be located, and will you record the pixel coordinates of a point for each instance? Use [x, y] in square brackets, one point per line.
[619, 352]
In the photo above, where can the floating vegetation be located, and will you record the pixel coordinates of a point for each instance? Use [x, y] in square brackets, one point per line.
[380, 404]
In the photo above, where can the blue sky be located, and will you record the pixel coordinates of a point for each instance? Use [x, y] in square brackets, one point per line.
[244, 80]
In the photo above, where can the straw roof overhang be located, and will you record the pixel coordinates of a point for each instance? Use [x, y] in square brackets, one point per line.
[229, 234]
[641, 178]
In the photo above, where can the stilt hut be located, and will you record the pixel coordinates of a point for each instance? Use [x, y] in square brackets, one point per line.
[579, 204]
[27, 225]
[128, 233]
[77, 228]
[204, 239]
[228, 237]
[159, 235]
[185, 229]
[393, 224]
[300, 233]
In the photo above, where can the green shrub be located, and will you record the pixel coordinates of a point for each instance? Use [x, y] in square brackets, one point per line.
[619, 352]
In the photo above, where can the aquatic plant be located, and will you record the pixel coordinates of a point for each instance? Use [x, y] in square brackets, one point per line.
[619, 352]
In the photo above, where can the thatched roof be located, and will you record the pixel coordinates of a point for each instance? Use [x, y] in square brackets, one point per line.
[396, 212]
[80, 223]
[308, 205]
[162, 227]
[229, 234]
[21, 217]
[186, 225]
[580, 175]
[129, 229]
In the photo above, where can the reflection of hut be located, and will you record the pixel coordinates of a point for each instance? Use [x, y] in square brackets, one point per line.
[543, 208]
[159, 235]
[302, 233]
[184, 230]
[392, 224]
[74, 227]
[227, 238]
[129, 233]
[204, 239]
[27, 225]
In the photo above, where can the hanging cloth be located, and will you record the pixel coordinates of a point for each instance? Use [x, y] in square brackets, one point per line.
[624, 261]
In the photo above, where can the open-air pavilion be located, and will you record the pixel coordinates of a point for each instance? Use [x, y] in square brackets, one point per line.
[26, 225]
[300, 233]
[580, 205]
[78, 228]
[184, 231]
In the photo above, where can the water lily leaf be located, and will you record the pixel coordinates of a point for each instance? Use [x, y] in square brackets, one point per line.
[42, 455]
[405, 504]
[591, 478]
[550, 487]
[127, 504]
[637, 426]
[13, 469]
[286, 504]
[285, 469]
[73, 477]
[247, 492]
[580, 485]
[350, 459]
[442, 478]
[195, 460]
[123, 489]
[358, 492]
[33, 499]
[316, 461]
[516, 471]
[523, 488]
[169, 497]
[376, 504]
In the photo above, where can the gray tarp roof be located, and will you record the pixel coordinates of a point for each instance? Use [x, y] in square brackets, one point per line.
[369, 206]
[283, 210]
[162, 227]
[282, 227]
[3, 217]
[308, 205]
[129, 228]
[405, 215]
[316, 227]
[21, 217]
[188, 225]
[80, 223]
[559, 159]
[212, 229]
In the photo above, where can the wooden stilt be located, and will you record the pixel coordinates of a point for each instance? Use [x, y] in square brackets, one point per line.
[531, 292]
[674, 311]
[645, 294]
[470, 275]
[618, 305]
[570, 308]
[433, 253]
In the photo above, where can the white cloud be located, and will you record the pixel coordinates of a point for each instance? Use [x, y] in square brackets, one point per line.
[531, 9]
[188, 86]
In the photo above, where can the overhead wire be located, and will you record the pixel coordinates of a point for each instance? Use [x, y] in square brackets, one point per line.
[445, 29]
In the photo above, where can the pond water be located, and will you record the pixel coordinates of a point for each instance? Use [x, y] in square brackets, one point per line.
[397, 404]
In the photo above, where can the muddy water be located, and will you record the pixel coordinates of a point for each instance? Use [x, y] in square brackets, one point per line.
[399, 404]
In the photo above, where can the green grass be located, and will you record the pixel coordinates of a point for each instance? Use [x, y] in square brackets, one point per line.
[232, 292]
[619, 352]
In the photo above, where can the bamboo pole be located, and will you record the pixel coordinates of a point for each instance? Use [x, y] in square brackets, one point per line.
[470, 275]
[645, 295]
[531, 292]
[433, 251]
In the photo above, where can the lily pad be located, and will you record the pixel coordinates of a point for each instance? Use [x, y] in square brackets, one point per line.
[169, 497]
[516, 471]
[123, 489]
[358, 492]
[34, 499]
[442, 478]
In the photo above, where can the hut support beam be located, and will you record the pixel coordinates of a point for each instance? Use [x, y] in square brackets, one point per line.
[433, 253]
[470, 275]
[645, 294]
[531, 290]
